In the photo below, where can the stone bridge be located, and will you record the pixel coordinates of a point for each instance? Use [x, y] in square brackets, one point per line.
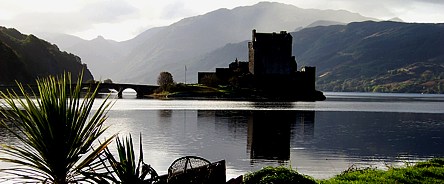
[141, 90]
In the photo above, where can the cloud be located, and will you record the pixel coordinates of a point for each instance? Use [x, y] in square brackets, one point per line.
[424, 11]
[374, 8]
[108, 11]
[176, 10]
[381, 9]
[49, 22]
[431, 1]
[83, 18]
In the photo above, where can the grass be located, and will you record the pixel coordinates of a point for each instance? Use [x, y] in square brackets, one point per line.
[276, 175]
[189, 90]
[181, 90]
[431, 171]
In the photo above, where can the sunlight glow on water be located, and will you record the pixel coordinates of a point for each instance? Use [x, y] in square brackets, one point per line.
[362, 102]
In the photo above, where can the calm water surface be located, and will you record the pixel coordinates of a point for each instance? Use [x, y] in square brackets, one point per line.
[320, 139]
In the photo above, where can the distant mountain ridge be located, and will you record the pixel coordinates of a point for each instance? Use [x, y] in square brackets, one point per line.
[184, 42]
[353, 57]
[170, 48]
[358, 56]
[24, 58]
[366, 56]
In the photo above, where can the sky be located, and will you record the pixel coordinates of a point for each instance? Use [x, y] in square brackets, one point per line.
[124, 19]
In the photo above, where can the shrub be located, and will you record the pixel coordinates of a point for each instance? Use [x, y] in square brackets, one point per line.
[276, 175]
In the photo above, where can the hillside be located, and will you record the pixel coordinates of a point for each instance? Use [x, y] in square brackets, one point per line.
[184, 42]
[26, 57]
[372, 56]
[368, 56]
[170, 48]
[360, 56]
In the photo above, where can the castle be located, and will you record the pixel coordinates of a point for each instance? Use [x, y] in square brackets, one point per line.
[271, 68]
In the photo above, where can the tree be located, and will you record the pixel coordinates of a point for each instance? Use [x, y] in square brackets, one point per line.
[55, 129]
[107, 81]
[165, 80]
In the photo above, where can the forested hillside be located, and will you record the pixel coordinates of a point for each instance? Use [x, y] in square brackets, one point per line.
[26, 57]
[374, 56]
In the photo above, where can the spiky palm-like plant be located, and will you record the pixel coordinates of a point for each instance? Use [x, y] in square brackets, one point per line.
[56, 130]
[126, 168]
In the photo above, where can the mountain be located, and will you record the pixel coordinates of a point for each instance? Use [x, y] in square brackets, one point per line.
[368, 56]
[184, 42]
[323, 23]
[396, 19]
[63, 41]
[100, 50]
[170, 48]
[98, 53]
[221, 57]
[141, 38]
[26, 57]
[354, 56]
[358, 56]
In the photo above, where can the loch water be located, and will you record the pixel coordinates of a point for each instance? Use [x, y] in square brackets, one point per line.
[320, 139]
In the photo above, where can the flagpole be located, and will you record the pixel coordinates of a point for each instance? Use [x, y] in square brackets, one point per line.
[185, 74]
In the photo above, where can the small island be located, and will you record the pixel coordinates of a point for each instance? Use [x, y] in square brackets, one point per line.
[270, 74]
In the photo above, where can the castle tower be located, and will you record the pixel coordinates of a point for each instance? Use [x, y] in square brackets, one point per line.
[270, 54]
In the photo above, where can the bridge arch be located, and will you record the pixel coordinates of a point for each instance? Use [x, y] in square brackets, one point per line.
[125, 91]
[141, 90]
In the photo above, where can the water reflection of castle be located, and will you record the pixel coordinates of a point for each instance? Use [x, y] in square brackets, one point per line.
[269, 132]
